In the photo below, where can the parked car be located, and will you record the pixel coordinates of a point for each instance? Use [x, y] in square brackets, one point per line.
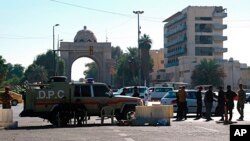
[247, 97]
[170, 99]
[130, 91]
[17, 98]
[158, 92]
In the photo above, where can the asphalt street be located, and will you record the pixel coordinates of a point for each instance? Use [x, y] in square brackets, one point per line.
[36, 129]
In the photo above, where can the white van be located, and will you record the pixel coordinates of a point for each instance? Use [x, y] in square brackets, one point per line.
[158, 92]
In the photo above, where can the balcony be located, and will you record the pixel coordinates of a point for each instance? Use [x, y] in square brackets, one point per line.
[219, 49]
[220, 15]
[177, 52]
[220, 61]
[176, 19]
[175, 30]
[172, 64]
[219, 38]
[176, 41]
[219, 26]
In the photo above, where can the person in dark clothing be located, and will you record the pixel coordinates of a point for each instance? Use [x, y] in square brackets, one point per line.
[199, 103]
[124, 91]
[6, 98]
[230, 102]
[208, 100]
[241, 102]
[136, 93]
[221, 103]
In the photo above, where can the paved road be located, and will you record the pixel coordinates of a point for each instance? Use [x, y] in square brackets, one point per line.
[35, 129]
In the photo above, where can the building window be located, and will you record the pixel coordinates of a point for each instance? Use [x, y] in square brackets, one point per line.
[203, 39]
[162, 61]
[203, 18]
[203, 28]
[203, 51]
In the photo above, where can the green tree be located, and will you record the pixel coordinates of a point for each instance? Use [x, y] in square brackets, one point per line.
[207, 73]
[15, 74]
[144, 45]
[92, 71]
[35, 73]
[116, 52]
[127, 68]
[46, 60]
[3, 69]
[16, 70]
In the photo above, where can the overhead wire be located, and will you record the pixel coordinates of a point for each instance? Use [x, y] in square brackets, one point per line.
[109, 12]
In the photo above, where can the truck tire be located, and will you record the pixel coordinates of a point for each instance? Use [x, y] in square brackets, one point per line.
[118, 115]
[58, 118]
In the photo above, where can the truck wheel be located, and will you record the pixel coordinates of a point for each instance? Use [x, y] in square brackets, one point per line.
[14, 102]
[118, 116]
[58, 119]
[54, 118]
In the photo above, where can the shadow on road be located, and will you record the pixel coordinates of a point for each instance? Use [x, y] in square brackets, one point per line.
[54, 127]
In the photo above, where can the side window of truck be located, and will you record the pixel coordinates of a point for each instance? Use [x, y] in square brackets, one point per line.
[82, 91]
[100, 90]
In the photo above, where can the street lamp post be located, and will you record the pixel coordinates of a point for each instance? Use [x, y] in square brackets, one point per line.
[232, 61]
[54, 52]
[139, 51]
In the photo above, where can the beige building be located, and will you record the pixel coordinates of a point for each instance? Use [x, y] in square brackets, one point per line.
[158, 60]
[193, 34]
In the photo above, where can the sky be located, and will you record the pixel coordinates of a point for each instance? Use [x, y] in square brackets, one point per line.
[26, 27]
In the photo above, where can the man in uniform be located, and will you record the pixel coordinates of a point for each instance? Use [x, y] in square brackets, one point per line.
[182, 104]
[136, 93]
[6, 98]
[241, 101]
[199, 103]
[230, 95]
[208, 100]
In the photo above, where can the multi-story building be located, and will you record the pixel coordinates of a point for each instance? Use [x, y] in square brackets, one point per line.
[158, 60]
[193, 34]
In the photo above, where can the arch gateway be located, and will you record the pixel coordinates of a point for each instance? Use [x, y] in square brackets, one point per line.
[85, 45]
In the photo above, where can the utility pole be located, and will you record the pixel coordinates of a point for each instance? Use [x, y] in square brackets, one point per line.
[139, 51]
[54, 52]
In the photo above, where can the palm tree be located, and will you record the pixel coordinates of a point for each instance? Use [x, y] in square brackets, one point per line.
[144, 47]
[207, 73]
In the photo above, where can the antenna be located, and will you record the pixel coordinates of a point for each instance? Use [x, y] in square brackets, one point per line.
[106, 36]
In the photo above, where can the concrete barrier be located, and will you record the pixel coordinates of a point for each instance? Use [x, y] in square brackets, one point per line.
[153, 114]
[6, 119]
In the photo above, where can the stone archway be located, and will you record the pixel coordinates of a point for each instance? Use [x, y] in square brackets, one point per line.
[86, 45]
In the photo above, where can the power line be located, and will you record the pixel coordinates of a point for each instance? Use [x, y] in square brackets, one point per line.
[151, 19]
[92, 9]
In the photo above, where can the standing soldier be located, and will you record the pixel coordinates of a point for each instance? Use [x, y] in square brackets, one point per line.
[221, 103]
[182, 103]
[136, 93]
[230, 102]
[209, 98]
[241, 101]
[6, 98]
[199, 103]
